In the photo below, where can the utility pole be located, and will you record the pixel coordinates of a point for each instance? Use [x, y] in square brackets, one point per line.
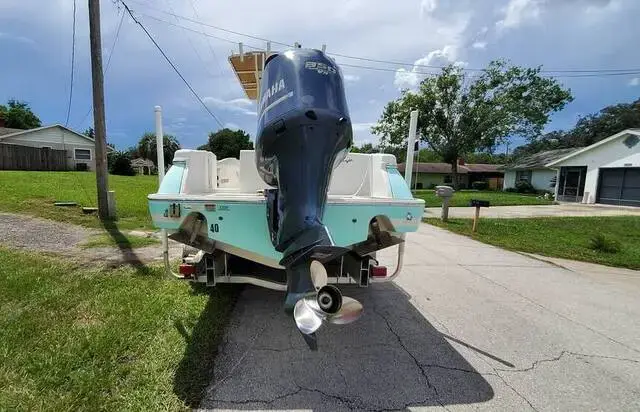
[98, 109]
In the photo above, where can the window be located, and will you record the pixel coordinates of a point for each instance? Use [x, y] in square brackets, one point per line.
[82, 154]
[45, 147]
[523, 175]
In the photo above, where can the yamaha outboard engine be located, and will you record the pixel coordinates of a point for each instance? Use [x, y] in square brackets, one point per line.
[304, 132]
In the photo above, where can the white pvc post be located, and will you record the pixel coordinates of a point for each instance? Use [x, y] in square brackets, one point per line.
[159, 144]
[413, 125]
[160, 164]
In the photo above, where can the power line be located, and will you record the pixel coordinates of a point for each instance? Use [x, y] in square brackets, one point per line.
[196, 31]
[212, 26]
[435, 74]
[106, 69]
[213, 53]
[192, 45]
[385, 69]
[73, 59]
[396, 63]
[480, 70]
[126, 7]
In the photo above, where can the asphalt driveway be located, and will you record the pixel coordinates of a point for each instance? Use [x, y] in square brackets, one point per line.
[560, 210]
[466, 326]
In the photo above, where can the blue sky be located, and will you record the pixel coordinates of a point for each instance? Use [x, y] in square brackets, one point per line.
[35, 54]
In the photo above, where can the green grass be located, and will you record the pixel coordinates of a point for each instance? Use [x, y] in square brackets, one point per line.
[125, 339]
[34, 193]
[119, 239]
[462, 198]
[562, 237]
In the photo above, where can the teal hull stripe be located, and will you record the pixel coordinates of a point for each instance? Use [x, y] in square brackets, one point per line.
[244, 225]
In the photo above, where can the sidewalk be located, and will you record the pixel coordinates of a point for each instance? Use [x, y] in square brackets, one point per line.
[510, 212]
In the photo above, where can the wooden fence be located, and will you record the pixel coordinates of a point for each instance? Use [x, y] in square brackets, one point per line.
[14, 157]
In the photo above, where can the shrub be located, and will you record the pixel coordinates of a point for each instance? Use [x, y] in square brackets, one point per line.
[480, 185]
[524, 187]
[419, 185]
[82, 167]
[601, 243]
[120, 164]
[511, 190]
[432, 186]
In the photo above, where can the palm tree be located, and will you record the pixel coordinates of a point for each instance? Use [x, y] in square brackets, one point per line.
[147, 148]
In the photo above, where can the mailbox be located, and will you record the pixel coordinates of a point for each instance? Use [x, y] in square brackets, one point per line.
[444, 191]
[479, 203]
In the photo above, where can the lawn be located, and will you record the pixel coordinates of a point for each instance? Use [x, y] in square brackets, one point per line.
[87, 339]
[34, 193]
[462, 198]
[562, 237]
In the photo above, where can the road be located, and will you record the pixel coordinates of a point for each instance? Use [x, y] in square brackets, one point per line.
[563, 209]
[466, 326]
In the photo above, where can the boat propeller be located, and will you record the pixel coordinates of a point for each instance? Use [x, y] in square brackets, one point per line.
[326, 303]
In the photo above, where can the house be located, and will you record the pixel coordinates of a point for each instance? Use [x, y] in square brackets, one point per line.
[79, 148]
[429, 175]
[607, 172]
[533, 169]
[143, 166]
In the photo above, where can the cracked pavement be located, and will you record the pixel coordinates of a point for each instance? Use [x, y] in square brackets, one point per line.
[465, 326]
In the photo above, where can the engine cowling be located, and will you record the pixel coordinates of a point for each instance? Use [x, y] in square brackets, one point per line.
[304, 132]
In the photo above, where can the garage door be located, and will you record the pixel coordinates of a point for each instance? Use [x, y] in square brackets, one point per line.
[620, 186]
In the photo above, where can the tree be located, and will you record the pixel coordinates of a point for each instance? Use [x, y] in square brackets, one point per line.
[227, 143]
[460, 115]
[119, 163]
[588, 129]
[18, 115]
[365, 148]
[90, 133]
[147, 148]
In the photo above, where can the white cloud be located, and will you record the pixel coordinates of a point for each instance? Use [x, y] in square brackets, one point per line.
[362, 133]
[635, 81]
[359, 127]
[517, 12]
[232, 126]
[411, 78]
[479, 45]
[239, 105]
[351, 78]
[20, 39]
[427, 7]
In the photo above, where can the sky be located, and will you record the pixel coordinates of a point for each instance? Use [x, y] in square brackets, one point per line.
[36, 46]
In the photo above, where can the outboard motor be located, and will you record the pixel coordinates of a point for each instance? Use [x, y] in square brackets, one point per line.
[304, 132]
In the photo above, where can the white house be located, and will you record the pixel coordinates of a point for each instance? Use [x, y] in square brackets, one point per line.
[79, 148]
[533, 169]
[605, 172]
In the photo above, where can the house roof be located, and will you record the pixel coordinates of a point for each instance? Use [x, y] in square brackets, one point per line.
[18, 132]
[445, 168]
[140, 162]
[625, 132]
[9, 130]
[541, 159]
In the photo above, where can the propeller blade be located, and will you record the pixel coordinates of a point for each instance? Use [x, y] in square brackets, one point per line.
[307, 315]
[350, 311]
[318, 274]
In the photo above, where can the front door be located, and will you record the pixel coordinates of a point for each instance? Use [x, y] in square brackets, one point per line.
[571, 184]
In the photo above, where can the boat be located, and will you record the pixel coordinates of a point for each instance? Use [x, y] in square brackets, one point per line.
[301, 213]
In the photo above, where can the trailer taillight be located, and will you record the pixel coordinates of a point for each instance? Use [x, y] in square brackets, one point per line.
[379, 271]
[187, 270]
